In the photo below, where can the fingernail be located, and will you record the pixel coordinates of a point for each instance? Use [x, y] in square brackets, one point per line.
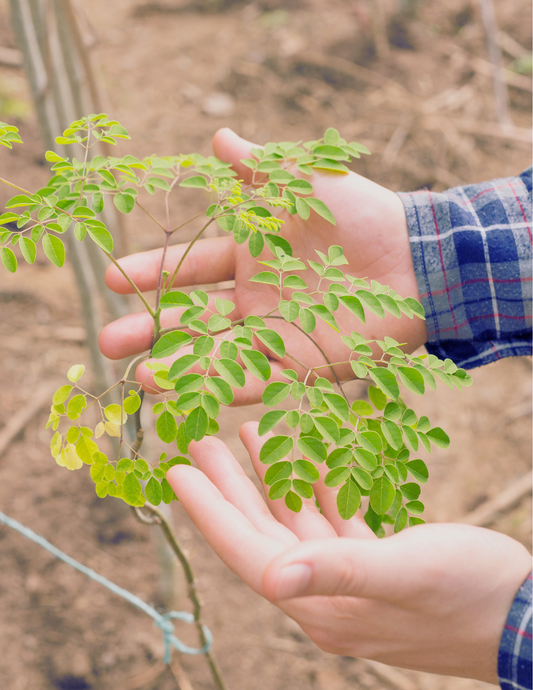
[293, 580]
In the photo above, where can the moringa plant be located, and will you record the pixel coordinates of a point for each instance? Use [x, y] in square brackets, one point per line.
[369, 446]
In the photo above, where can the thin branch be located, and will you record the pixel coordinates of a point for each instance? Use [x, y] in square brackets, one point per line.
[159, 519]
[151, 216]
[182, 225]
[191, 245]
[130, 281]
[15, 186]
[339, 384]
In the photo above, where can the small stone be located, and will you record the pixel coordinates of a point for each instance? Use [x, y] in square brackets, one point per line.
[218, 104]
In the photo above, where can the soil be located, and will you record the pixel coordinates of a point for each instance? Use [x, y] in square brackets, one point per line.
[173, 72]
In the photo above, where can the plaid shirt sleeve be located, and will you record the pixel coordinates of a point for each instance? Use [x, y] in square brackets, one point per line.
[471, 250]
[514, 657]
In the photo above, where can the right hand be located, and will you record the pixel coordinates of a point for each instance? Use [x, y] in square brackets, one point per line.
[432, 598]
[371, 227]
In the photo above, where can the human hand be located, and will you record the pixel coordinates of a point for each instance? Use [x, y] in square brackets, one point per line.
[371, 227]
[432, 598]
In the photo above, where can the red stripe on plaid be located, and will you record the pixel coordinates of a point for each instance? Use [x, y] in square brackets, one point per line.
[447, 290]
[489, 189]
[522, 633]
[522, 211]
[482, 316]
[478, 280]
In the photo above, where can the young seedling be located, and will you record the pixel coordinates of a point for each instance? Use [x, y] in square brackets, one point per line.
[367, 445]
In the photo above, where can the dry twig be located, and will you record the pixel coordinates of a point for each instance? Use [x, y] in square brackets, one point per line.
[490, 510]
[24, 415]
[495, 55]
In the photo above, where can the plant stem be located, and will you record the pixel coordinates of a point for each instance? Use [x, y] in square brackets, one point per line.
[130, 281]
[160, 519]
[191, 245]
[160, 277]
[151, 216]
[15, 186]
[339, 384]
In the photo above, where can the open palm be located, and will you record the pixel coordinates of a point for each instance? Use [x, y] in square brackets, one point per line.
[370, 226]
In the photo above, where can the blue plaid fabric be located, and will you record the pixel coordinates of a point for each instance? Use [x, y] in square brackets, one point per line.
[471, 250]
[514, 658]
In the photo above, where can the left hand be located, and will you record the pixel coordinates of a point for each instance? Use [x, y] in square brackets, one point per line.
[432, 598]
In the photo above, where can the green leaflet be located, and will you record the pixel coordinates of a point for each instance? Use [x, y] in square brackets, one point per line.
[279, 489]
[401, 520]
[220, 389]
[321, 208]
[276, 393]
[269, 421]
[293, 502]
[348, 499]
[306, 471]
[370, 441]
[195, 182]
[302, 488]
[392, 433]
[324, 313]
[181, 365]
[257, 364]
[381, 495]
[196, 424]
[256, 244]
[313, 448]
[54, 249]
[338, 405]
[354, 304]
[124, 202]
[339, 457]
[153, 491]
[132, 492]
[410, 491]
[328, 428]
[272, 340]
[275, 448]
[266, 277]
[412, 380]
[439, 437]
[385, 380]
[278, 472]
[170, 343]
[290, 310]
[307, 320]
[100, 235]
[418, 469]
[175, 298]
[230, 371]
[337, 476]
[166, 427]
[28, 249]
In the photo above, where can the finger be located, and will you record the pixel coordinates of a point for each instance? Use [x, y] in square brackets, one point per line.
[236, 541]
[209, 261]
[308, 523]
[333, 567]
[231, 148]
[217, 462]
[133, 333]
[326, 496]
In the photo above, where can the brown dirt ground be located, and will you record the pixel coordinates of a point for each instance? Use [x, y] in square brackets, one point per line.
[285, 68]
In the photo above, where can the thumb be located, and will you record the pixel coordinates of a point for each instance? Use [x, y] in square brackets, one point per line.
[230, 148]
[331, 567]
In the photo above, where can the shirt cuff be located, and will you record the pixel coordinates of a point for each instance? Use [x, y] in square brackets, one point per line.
[514, 656]
[471, 249]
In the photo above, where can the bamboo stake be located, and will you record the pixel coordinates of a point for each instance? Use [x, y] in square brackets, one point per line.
[495, 55]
